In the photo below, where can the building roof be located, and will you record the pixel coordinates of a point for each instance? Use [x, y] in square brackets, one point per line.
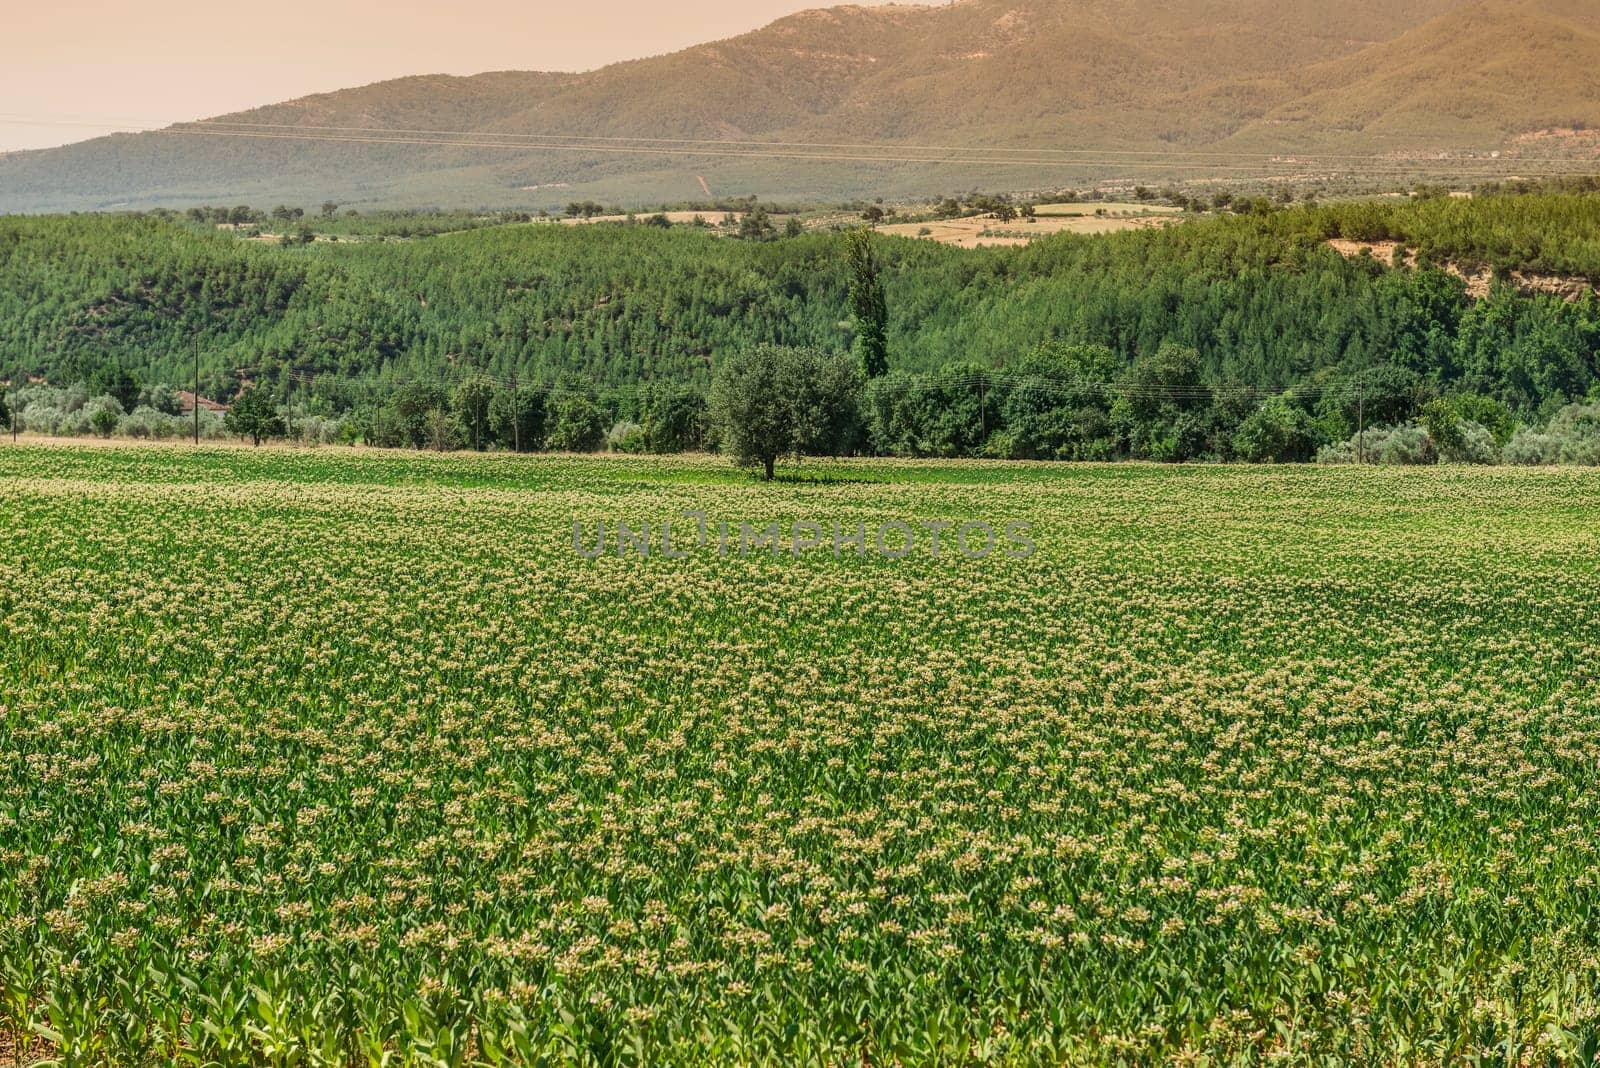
[186, 402]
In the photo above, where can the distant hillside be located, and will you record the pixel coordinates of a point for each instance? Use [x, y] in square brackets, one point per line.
[1485, 73]
[1105, 84]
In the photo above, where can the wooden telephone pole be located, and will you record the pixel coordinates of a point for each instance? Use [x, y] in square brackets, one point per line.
[516, 415]
[1361, 422]
[983, 407]
[196, 391]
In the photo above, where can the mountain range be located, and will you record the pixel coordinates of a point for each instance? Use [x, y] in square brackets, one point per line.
[904, 100]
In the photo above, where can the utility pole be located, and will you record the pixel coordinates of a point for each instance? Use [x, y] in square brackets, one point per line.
[196, 391]
[1361, 421]
[983, 411]
[516, 415]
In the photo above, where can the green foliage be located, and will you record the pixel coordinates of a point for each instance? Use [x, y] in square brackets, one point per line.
[349, 326]
[1058, 407]
[674, 419]
[1443, 424]
[576, 423]
[471, 404]
[1486, 412]
[1385, 395]
[1407, 445]
[627, 437]
[1577, 428]
[947, 413]
[411, 416]
[756, 225]
[332, 758]
[1164, 405]
[112, 379]
[255, 415]
[516, 419]
[104, 421]
[774, 401]
[868, 310]
[1277, 432]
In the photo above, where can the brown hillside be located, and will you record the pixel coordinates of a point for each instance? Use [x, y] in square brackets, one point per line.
[1486, 72]
[1095, 76]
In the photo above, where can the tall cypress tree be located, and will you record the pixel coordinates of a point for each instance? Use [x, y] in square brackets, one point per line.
[867, 306]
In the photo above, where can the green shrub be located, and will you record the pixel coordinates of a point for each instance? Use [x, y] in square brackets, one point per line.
[1530, 448]
[627, 437]
[576, 424]
[103, 421]
[1473, 444]
[1277, 432]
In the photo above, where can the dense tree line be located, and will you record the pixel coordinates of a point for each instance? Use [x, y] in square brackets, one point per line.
[593, 325]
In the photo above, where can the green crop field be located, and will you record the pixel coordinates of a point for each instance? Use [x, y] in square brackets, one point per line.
[342, 757]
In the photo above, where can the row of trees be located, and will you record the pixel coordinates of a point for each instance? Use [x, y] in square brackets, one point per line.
[483, 413]
[1065, 402]
[1075, 402]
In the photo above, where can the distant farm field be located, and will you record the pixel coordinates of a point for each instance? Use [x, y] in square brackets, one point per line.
[336, 757]
[983, 231]
[1104, 209]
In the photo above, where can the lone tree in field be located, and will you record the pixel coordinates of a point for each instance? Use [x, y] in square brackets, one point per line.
[254, 416]
[867, 306]
[772, 401]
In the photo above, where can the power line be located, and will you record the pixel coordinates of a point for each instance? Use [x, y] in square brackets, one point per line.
[971, 381]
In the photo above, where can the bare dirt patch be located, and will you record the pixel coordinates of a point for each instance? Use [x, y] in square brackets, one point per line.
[1101, 209]
[11, 1054]
[712, 218]
[988, 232]
[1378, 250]
[1479, 279]
[1584, 144]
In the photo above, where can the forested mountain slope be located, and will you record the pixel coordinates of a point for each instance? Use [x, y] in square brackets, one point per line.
[1263, 298]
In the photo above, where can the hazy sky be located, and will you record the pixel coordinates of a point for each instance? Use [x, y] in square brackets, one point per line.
[120, 65]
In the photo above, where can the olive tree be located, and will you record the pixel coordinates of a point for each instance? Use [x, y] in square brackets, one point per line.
[772, 401]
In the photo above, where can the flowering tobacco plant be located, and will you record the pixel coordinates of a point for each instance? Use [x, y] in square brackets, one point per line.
[339, 758]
